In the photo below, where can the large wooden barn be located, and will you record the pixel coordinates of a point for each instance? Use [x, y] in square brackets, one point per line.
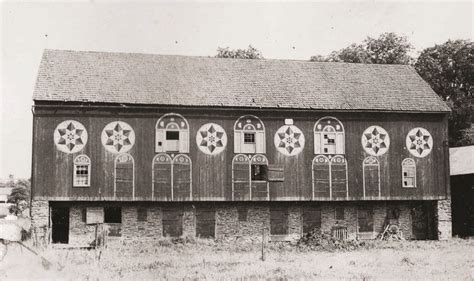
[157, 146]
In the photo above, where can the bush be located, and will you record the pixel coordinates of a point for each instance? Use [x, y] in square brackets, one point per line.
[320, 241]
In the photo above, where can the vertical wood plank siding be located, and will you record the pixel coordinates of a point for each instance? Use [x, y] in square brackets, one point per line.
[211, 175]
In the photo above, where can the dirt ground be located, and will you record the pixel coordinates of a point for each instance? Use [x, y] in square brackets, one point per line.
[407, 260]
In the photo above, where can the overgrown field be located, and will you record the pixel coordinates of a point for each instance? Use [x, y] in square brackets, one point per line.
[376, 260]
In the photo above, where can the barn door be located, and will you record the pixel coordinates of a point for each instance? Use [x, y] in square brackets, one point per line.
[60, 225]
[419, 220]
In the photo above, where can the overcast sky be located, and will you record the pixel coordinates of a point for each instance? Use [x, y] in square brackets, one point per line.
[279, 30]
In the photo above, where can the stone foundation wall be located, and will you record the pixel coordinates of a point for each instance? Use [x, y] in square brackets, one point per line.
[39, 213]
[444, 219]
[40, 220]
[80, 233]
[254, 217]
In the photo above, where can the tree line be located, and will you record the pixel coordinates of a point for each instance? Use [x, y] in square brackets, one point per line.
[448, 68]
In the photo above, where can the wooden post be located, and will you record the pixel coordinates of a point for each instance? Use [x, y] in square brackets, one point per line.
[263, 244]
[96, 242]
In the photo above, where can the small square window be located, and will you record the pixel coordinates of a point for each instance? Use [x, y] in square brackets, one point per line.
[112, 215]
[259, 172]
[325, 150]
[142, 214]
[331, 141]
[84, 214]
[172, 135]
[339, 213]
[242, 212]
[249, 138]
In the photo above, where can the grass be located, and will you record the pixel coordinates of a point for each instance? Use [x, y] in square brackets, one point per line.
[203, 259]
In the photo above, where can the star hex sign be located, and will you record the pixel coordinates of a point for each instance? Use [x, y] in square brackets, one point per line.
[211, 138]
[375, 140]
[70, 136]
[419, 142]
[289, 140]
[118, 137]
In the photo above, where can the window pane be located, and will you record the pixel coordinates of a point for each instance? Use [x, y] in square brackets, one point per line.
[249, 137]
[113, 215]
[339, 213]
[172, 135]
[259, 172]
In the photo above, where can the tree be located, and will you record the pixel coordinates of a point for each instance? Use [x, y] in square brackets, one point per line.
[388, 48]
[249, 53]
[20, 195]
[449, 69]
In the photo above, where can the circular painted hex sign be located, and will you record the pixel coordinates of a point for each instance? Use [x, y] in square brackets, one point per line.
[289, 140]
[118, 137]
[375, 140]
[211, 139]
[70, 136]
[419, 142]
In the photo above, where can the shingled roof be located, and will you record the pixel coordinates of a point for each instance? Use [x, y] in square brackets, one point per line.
[99, 77]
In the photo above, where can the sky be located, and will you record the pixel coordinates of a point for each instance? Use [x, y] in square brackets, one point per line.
[280, 30]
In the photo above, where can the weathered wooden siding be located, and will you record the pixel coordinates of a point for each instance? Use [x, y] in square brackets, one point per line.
[211, 175]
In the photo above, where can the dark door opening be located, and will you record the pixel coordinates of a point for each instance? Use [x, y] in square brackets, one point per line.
[60, 224]
[462, 205]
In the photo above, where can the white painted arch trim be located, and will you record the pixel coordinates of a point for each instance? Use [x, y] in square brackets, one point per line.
[171, 161]
[82, 160]
[365, 164]
[329, 163]
[133, 173]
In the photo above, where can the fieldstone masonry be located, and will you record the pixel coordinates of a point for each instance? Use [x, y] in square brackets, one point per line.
[230, 227]
[444, 219]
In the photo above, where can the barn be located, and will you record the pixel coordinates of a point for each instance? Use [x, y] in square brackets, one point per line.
[157, 146]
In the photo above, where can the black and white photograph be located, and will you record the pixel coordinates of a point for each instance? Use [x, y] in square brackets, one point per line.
[236, 140]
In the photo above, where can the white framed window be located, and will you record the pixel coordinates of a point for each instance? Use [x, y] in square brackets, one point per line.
[82, 171]
[249, 135]
[329, 136]
[172, 134]
[408, 173]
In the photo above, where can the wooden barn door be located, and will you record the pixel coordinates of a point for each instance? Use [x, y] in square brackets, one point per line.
[60, 224]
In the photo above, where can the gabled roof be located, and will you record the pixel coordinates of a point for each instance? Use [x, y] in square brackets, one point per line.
[99, 77]
[461, 160]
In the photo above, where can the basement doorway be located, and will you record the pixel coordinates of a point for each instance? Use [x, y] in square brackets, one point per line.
[60, 225]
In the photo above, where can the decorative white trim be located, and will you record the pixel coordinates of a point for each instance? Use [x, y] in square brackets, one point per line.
[70, 136]
[82, 160]
[329, 162]
[177, 159]
[121, 157]
[374, 162]
[339, 132]
[259, 159]
[375, 140]
[344, 160]
[181, 126]
[289, 140]
[243, 158]
[249, 124]
[118, 137]
[408, 163]
[419, 142]
[164, 158]
[326, 160]
[211, 139]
